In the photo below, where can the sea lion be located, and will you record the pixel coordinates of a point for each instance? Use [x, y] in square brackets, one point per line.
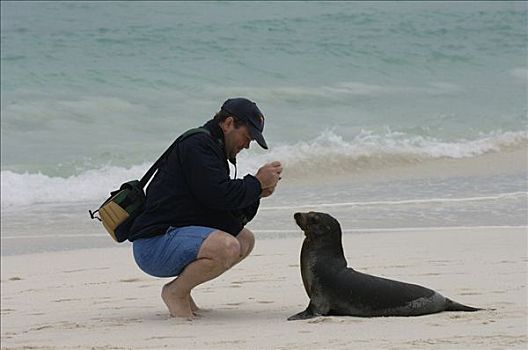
[335, 289]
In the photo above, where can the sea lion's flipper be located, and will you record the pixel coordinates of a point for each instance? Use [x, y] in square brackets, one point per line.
[454, 306]
[303, 315]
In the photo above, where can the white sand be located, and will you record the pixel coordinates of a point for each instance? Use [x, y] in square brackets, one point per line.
[98, 299]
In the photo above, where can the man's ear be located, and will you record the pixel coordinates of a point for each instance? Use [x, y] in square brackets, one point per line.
[227, 124]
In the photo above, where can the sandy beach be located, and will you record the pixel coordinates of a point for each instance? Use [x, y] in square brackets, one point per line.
[99, 299]
[406, 121]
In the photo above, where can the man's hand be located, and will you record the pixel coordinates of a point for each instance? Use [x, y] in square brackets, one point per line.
[269, 175]
[267, 192]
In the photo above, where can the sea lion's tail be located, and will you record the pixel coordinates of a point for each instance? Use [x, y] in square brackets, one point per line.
[454, 306]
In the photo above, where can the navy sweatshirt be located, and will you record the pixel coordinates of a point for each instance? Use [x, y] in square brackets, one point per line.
[192, 187]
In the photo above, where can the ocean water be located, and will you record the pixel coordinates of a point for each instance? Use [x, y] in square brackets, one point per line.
[390, 116]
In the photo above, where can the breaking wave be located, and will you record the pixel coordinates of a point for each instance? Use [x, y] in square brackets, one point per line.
[327, 153]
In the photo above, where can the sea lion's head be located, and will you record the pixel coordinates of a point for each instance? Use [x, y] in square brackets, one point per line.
[319, 226]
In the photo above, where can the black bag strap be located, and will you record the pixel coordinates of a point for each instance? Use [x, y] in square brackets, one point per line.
[156, 165]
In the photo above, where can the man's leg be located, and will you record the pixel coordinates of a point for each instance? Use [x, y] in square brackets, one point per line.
[247, 242]
[217, 254]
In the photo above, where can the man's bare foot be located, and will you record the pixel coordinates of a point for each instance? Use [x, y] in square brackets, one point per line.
[178, 306]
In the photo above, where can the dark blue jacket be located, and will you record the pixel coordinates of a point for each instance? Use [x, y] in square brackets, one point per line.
[192, 187]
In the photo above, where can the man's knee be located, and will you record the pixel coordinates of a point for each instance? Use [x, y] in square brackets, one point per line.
[221, 247]
[247, 242]
[231, 251]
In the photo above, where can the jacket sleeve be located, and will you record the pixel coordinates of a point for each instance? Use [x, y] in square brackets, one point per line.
[247, 214]
[207, 174]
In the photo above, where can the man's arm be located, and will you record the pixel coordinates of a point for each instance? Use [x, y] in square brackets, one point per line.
[247, 214]
[206, 173]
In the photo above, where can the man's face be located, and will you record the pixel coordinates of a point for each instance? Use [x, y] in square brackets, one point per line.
[235, 139]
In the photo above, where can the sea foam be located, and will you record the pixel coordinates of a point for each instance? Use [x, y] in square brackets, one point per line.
[327, 153]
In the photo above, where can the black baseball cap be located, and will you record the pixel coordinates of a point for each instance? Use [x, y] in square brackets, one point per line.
[246, 110]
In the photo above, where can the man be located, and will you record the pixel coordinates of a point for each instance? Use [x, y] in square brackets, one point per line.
[194, 218]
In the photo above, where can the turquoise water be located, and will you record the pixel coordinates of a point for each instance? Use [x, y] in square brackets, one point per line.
[93, 92]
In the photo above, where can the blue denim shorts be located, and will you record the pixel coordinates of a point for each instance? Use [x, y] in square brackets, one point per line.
[168, 254]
